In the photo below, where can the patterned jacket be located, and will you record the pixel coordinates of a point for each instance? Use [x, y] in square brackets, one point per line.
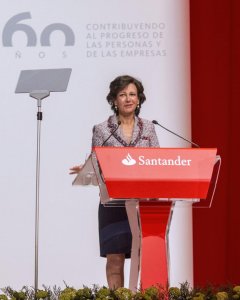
[144, 134]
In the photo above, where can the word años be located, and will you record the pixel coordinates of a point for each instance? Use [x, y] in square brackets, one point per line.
[41, 54]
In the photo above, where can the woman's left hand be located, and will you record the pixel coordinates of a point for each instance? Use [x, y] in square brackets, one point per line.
[75, 169]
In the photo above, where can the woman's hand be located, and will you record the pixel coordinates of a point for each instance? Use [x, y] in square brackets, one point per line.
[75, 169]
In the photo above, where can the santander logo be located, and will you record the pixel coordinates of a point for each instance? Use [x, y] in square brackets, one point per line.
[129, 161]
[157, 161]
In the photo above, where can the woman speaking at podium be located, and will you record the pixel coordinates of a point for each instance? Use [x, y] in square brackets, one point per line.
[122, 129]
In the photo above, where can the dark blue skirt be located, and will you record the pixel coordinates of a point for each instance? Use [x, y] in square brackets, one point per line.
[114, 231]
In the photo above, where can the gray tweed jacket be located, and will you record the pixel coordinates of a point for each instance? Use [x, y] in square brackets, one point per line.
[144, 134]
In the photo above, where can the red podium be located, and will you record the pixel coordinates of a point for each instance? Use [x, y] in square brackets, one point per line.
[149, 181]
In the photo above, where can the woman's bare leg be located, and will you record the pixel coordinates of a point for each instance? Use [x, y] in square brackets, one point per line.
[115, 270]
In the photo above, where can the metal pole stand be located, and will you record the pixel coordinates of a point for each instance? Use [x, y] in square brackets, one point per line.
[39, 96]
[38, 84]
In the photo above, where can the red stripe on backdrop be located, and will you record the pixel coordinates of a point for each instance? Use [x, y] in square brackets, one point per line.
[215, 76]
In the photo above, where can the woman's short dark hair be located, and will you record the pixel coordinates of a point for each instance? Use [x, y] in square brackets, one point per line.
[118, 84]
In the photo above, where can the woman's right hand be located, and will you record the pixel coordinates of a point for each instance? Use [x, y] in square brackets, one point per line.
[75, 169]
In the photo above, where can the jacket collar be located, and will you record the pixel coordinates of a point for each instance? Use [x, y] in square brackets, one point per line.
[137, 131]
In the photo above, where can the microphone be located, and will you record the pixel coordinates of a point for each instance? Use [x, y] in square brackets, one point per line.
[119, 123]
[156, 123]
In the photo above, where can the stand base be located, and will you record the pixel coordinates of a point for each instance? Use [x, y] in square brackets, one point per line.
[155, 222]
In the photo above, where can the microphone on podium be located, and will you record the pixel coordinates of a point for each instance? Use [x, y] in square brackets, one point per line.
[194, 144]
[119, 123]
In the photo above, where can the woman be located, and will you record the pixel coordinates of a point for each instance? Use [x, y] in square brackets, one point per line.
[123, 129]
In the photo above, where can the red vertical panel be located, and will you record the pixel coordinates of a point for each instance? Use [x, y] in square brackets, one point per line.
[215, 59]
[233, 218]
[210, 76]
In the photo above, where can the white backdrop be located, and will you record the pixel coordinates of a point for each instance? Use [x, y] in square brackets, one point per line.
[99, 40]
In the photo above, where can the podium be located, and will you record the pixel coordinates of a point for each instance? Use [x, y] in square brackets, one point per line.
[149, 181]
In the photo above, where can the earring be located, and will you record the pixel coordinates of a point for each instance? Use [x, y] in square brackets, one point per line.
[138, 106]
[116, 108]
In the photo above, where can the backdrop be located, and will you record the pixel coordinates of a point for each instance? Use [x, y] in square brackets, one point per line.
[99, 40]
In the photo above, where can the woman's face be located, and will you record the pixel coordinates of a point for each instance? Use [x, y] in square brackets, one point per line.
[127, 100]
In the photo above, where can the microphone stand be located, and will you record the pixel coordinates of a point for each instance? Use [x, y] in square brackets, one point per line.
[156, 123]
[119, 123]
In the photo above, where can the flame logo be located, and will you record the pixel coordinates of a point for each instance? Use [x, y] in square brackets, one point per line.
[129, 161]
